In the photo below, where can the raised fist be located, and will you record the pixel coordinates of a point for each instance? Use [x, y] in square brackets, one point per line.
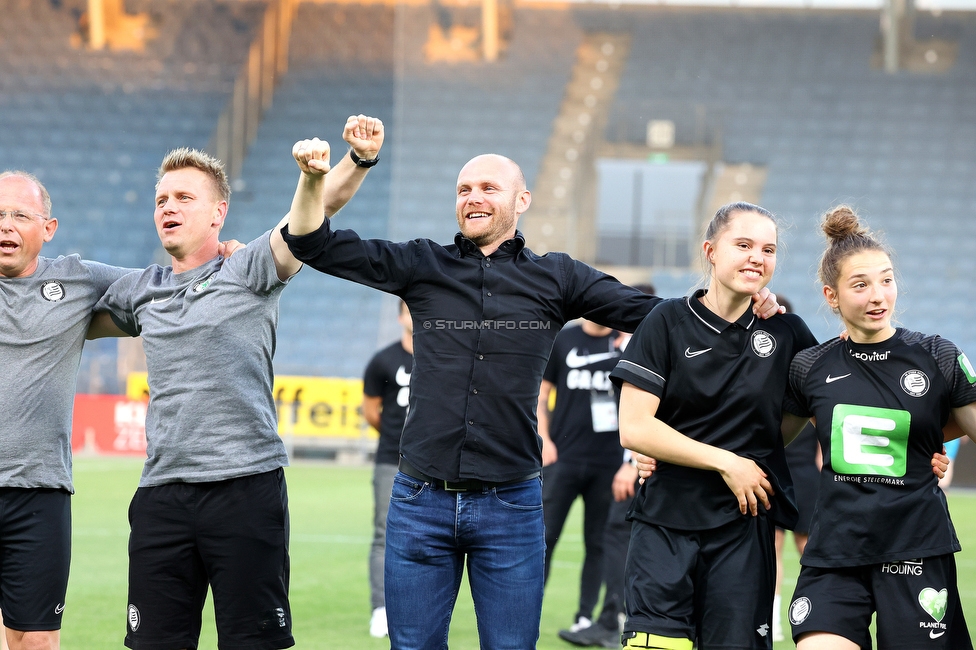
[312, 156]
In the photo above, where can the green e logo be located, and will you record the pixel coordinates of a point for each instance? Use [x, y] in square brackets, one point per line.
[869, 440]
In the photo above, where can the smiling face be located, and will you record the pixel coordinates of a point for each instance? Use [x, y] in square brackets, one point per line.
[491, 196]
[188, 216]
[21, 240]
[865, 296]
[743, 256]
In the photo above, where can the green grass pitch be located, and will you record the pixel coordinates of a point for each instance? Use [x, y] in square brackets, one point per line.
[331, 527]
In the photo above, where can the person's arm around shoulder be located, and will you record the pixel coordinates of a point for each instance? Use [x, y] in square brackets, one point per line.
[641, 431]
[102, 326]
[965, 419]
[791, 426]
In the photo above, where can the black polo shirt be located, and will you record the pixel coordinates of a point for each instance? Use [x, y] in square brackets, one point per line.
[722, 384]
[387, 376]
[483, 329]
[583, 422]
[880, 409]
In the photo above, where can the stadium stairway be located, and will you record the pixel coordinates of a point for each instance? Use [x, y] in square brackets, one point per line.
[439, 114]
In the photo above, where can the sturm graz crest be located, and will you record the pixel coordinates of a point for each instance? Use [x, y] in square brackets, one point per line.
[52, 290]
[763, 343]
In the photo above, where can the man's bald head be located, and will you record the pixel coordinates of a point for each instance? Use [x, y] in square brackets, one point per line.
[491, 195]
[502, 165]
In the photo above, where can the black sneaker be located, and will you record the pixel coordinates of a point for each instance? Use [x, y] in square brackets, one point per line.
[595, 636]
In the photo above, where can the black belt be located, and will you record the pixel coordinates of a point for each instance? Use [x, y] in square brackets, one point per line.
[464, 485]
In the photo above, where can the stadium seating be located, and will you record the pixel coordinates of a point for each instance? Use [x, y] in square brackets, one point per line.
[795, 92]
[93, 125]
[791, 91]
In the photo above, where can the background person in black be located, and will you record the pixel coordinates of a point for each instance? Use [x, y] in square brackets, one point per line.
[881, 538]
[488, 310]
[605, 631]
[702, 388]
[386, 393]
[580, 445]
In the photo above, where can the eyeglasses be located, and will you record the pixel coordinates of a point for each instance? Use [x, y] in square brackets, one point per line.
[19, 216]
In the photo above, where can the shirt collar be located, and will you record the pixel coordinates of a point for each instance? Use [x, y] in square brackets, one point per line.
[509, 247]
[714, 321]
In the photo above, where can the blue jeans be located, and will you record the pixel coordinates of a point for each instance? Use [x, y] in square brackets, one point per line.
[429, 534]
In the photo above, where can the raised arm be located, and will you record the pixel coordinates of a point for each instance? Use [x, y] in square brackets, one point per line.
[641, 431]
[312, 157]
[322, 191]
[364, 135]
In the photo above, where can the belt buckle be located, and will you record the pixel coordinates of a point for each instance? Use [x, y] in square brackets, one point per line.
[451, 487]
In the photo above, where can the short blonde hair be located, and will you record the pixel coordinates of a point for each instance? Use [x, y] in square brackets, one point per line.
[185, 157]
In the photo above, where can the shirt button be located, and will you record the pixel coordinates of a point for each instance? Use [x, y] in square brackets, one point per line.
[487, 265]
[470, 421]
[481, 357]
[489, 294]
[475, 391]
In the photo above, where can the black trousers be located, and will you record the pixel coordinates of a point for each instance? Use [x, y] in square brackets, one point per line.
[563, 481]
[616, 539]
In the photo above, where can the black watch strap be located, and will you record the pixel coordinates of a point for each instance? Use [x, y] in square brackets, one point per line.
[360, 162]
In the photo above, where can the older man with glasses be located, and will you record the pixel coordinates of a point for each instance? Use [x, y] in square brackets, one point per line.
[47, 310]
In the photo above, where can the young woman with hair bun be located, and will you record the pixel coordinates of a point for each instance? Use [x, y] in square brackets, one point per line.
[881, 540]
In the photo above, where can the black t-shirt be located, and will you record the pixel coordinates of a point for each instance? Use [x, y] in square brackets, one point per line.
[722, 384]
[583, 423]
[388, 376]
[880, 409]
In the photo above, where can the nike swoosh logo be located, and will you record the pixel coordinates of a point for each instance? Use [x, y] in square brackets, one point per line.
[692, 355]
[59, 608]
[156, 301]
[402, 377]
[573, 360]
[933, 635]
[831, 380]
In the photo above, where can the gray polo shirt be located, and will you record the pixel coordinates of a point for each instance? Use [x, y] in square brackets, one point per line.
[209, 335]
[43, 322]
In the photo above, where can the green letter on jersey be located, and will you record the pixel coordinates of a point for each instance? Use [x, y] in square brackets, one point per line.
[967, 368]
[869, 440]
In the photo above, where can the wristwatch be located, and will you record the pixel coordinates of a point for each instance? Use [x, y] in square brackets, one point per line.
[362, 162]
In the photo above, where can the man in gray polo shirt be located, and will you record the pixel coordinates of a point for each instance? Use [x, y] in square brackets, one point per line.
[47, 308]
[211, 508]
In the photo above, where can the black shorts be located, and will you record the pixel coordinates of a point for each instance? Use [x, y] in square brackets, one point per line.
[231, 535]
[711, 586]
[917, 603]
[35, 552]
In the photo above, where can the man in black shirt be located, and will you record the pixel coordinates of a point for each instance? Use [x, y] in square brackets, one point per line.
[485, 310]
[386, 392]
